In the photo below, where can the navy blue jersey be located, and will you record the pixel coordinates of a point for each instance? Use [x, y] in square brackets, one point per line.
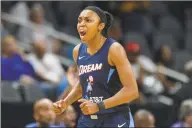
[99, 80]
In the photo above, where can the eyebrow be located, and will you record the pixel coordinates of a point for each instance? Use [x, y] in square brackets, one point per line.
[83, 17]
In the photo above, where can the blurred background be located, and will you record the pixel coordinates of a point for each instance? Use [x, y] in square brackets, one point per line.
[37, 39]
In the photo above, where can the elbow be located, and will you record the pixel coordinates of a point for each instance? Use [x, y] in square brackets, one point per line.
[133, 95]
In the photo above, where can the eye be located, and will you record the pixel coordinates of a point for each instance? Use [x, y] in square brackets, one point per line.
[88, 20]
[79, 20]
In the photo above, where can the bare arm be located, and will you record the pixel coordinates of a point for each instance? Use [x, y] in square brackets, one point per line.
[129, 92]
[65, 93]
[76, 91]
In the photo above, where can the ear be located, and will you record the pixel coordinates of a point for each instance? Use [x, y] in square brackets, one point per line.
[101, 26]
[35, 116]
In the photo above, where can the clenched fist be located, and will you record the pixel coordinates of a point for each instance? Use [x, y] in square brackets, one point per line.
[87, 107]
[59, 106]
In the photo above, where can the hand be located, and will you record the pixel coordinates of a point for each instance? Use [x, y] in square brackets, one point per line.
[59, 107]
[87, 107]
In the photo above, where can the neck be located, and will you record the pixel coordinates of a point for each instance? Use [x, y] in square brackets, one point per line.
[95, 44]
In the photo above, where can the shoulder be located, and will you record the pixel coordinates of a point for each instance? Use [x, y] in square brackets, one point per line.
[116, 49]
[177, 124]
[76, 51]
[51, 56]
[117, 54]
[31, 125]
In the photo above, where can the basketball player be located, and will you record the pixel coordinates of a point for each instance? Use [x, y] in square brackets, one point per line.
[104, 72]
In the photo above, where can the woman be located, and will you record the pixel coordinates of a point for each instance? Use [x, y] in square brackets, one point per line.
[103, 64]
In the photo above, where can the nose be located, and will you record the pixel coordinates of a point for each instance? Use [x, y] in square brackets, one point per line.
[82, 23]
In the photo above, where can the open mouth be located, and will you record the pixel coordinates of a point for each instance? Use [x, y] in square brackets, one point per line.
[82, 33]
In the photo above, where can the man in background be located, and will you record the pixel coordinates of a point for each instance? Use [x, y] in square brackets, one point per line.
[67, 118]
[185, 115]
[144, 119]
[43, 114]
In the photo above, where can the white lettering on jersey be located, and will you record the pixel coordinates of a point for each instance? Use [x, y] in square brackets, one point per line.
[96, 99]
[89, 68]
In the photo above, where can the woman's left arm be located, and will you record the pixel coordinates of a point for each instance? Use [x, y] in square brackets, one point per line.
[129, 92]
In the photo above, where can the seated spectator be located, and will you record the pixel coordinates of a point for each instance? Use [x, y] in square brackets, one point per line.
[46, 65]
[39, 32]
[43, 115]
[133, 53]
[13, 65]
[185, 115]
[163, 58]
[67, 118]
[144, 119]
[56, 47]
[48, 68]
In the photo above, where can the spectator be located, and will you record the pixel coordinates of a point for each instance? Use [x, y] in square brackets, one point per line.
[39, 32]
[14, 66]
[133, 53]
[163, 58]
[43, 114]
[48, 67]
[56, 47]
[67, 118]
[144, 119]
[185, 115]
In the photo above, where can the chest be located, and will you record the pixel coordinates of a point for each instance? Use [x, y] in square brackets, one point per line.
[93, 69]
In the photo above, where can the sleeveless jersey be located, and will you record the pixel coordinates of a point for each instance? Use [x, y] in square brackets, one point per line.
[99, 80]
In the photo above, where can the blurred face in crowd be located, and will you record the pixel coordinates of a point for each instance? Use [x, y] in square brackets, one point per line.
[43, 112]
[133, 52]
[56, 46]
[188, 120]
[166, 53]
[37, 14]
[40, 48]
[9, 46]
[133, 57]
[144, 119]
[89, 25]
[68, 117]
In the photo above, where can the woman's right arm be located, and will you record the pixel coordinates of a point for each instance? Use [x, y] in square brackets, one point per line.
[76, 91]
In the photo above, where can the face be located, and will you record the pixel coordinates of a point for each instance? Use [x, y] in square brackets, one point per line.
[70, 117]
[45, 114]
[37, 16]
[89, 25]
[56, 46]
[188, 120]
[10, 46]
[40, 48]
[144, 121]
[133, 57]
[166, 53]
